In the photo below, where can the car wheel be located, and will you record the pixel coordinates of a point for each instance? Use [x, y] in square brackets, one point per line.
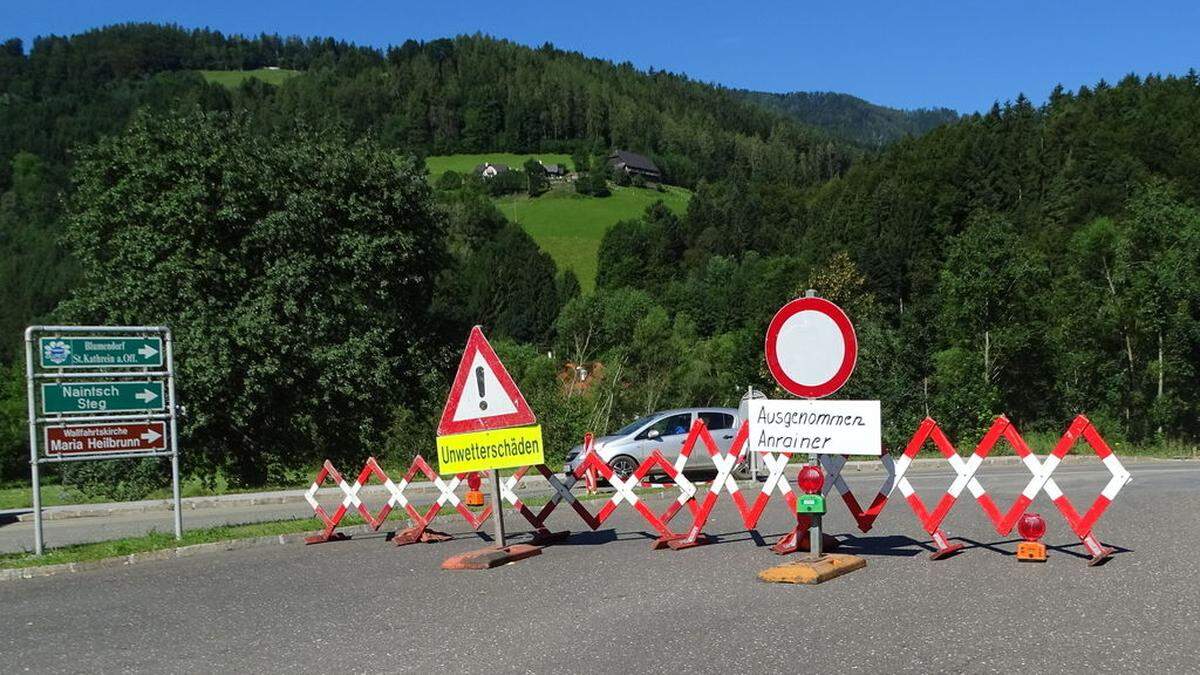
[623, 466]
[742, 470]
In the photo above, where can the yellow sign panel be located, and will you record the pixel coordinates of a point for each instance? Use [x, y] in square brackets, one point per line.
[482, 450]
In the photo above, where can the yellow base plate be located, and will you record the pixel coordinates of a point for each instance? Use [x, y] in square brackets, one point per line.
[827, 567]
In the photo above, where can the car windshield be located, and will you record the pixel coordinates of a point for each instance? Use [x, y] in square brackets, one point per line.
[633, 426]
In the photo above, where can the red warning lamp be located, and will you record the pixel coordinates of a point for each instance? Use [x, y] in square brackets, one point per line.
[474, 496]
[811, 479]
[1032, 527]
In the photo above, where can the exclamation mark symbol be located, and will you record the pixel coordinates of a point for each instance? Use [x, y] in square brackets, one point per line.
[479, 383]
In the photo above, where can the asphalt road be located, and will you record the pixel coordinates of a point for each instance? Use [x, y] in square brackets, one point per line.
[604, 602]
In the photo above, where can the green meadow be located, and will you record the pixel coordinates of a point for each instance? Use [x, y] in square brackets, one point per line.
[440, 164]
[569, 226]
[233, 78]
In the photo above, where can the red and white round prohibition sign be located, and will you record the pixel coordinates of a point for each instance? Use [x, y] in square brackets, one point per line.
[811, 347]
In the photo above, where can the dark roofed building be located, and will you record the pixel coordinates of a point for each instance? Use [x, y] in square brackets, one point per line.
[554, 170]
[634, 164]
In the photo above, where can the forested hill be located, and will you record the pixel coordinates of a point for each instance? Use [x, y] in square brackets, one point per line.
[466, 94]
[852, 118]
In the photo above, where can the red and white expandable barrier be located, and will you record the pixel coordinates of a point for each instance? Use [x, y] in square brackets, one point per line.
[623, 491]
[966, 469]
[562, 492]
[776, 481]
[1080, 428]
[419, 531]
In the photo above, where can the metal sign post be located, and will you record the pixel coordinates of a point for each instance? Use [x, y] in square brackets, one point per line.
[487, 425]
[811, 350]
[814, 528]
[497, 509]
[103, 392]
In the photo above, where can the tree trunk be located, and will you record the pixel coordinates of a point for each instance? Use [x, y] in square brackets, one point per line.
[1112, 289]
[1160, 373]
[925, 382]
[987, 356]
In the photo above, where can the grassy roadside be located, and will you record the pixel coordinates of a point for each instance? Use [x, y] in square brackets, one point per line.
[19, 494]
[156, 541]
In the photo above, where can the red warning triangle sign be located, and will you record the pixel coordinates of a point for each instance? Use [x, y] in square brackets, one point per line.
[483, 395]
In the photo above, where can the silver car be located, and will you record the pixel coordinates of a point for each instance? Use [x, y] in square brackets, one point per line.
[665, 431]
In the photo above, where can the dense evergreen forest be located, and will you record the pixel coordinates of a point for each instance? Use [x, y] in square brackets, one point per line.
[852, 118]
[1033, 261]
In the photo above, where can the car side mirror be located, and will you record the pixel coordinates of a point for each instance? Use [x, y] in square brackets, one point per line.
[653, 434]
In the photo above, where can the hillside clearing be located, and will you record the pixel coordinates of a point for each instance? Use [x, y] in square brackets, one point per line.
[569, 226]
[439, 164]
[234, 78]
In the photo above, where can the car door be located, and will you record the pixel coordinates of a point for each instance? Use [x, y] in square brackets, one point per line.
[672, 432]
[720, 425]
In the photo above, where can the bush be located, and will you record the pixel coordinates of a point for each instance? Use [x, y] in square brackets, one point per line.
[121, 480]
[593, 184]
[450, 180]
[297, 274]
[14, 432]
[507, 182]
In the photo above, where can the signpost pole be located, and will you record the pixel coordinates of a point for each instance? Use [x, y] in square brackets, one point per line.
[497, 508]
[811, 351]
[753, 455]
[33, 451]
[814, 528]
[172, 410]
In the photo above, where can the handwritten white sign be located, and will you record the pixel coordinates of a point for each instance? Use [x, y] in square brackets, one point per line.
[819, 427]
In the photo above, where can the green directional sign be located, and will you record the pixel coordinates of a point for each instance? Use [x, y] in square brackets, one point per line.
[100, 352]
[93, 397]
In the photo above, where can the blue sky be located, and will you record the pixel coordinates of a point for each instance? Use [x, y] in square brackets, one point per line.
[962, 55]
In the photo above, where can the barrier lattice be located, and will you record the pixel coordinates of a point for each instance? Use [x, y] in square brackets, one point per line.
[624, 490]
[419, 531]
[1041, 480]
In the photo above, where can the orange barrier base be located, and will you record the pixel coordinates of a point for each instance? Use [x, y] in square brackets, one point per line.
[545, 537]
[944, 548]
[487, 558]
[680, 542]
[417, 535]
[321, 538]
[1031, 551]
[816, 571]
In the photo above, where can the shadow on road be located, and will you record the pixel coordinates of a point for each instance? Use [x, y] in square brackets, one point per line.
[11, 517]
[894, 545]
[1075, 550]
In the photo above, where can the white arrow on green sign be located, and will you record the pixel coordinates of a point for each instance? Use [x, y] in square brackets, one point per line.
[100, 352]
[91, 397]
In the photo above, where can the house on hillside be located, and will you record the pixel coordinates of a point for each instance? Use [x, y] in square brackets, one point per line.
[489, 170]
[634, 165]
[553, 170]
